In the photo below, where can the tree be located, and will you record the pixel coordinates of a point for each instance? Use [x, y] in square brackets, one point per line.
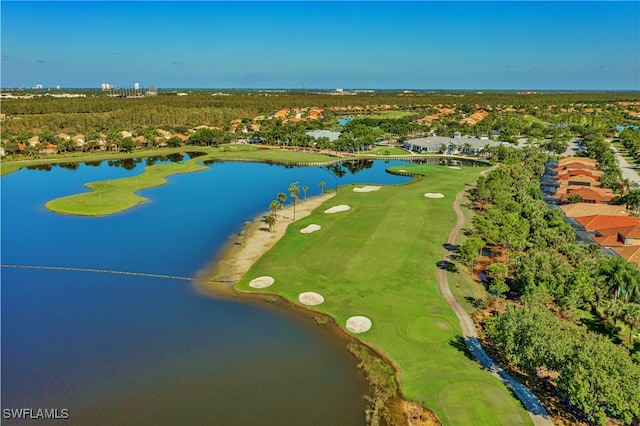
[575, 199]
[270, 221]
[294, 191]
[304, 189]
[618, 275]
[530, 337]
[600, 379]
[274, 208]
[632, 200]
[631, 317]
[243, 235]
[127, 144]
[247, 225]
[322, 185]
[174, 142]
[282, 197]
[469, 250]
[498, 287]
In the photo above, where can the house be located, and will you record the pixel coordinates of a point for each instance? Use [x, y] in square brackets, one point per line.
[79, 140]
[566, 174]
[317, 134]
[628, 253]
[455, 145]
[49, 149]
[586, 209]
[163, 133]
[33, 141]
[617, 237]
[589, 194]
[598, 223]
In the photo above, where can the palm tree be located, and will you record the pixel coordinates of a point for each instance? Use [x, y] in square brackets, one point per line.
[631, 317]
[270, 221]
[294, 191]
[613, 310]
[617, 274]
[322, 185]
[274, 208]
[282, 197]
[632, 200]
[304, 189]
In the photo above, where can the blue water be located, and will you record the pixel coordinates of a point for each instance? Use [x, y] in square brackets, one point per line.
[132, 350]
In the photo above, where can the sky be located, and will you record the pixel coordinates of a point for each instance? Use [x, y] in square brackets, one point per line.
[467, 45]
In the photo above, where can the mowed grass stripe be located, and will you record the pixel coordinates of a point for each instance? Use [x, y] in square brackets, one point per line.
[379, 260]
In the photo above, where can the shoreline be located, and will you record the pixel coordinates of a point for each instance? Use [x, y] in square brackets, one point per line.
[234, 260]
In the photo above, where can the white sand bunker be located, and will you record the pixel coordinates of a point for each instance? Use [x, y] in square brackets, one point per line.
[336, 209]
[310, 298]
[262, 282]
[402, 170]
[368, 188]
[311, 228]
[454, 167]
[434, 195]
[358, 324]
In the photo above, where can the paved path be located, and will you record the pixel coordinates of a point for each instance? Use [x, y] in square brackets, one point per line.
[530, 402]
[628, 172]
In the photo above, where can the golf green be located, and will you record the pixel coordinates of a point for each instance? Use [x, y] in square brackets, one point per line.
[379, 260]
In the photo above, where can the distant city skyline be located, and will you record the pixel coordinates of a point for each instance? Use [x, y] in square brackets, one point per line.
[468, 45]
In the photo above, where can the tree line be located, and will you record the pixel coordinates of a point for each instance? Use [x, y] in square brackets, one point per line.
[576, 300]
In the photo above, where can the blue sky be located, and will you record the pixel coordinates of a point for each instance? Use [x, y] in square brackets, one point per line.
[407, 45]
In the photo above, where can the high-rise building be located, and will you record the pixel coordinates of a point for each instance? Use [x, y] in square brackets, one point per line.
[136, 86]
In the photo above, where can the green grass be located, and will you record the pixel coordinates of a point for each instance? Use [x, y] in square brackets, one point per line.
[379, 260]
[392, 115]
[386, 150]
[112, 196]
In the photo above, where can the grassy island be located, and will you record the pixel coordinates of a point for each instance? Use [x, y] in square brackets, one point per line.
[378, 259]
[113, 196]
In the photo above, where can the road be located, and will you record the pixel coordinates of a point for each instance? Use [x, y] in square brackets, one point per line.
[530, 402]
[625, 168]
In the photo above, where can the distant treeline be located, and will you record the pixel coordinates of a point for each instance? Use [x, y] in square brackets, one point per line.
[101, 113]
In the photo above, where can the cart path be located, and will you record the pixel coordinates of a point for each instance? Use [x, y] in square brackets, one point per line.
[530, 402]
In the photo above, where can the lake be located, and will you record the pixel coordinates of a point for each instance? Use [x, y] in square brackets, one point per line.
[116, 349]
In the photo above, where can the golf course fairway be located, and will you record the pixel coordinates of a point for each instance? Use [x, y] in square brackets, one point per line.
[378, 260]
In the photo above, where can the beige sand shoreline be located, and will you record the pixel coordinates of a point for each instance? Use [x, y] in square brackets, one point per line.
[234, 261]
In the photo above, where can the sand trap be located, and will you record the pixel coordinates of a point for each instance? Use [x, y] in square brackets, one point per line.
[402, 170]
[368, 188]
[310, 298]
[311, 228]
[434, 195]
[336, 209]
[453, 167]
[262, 282]
[358, 324]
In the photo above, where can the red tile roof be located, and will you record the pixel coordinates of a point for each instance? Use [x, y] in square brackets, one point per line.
[629, 253]
[588, 193]
[589, 209]
[617, 236]
[602, 222]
